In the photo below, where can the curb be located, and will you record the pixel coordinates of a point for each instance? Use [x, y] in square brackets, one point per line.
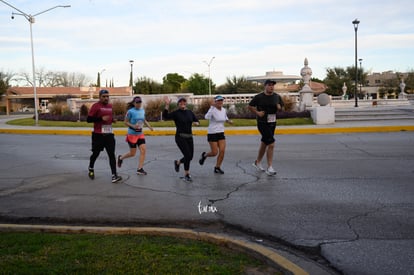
[197, 132]
[253, 249]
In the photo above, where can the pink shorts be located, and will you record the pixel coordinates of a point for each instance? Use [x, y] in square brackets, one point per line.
[134, 140]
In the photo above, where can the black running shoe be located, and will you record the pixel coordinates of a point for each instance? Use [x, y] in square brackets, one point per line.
[188, 178]
[202, 158]
[119, 161]
[176, 166]
[91, 173]
[141, 171]
[217, 170]
[116, 178]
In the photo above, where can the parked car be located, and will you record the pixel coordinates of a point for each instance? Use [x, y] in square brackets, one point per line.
[27, 109]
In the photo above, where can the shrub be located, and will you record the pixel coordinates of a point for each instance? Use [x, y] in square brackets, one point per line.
[119, 108]
[290, 103]
[204, 106]
[56, 109]
[153, 109]
[84, 110]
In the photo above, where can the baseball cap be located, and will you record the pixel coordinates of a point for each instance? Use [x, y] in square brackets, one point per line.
[218, 98]
[137, 99]
[181, 98]
[269, 81]
[101, 92]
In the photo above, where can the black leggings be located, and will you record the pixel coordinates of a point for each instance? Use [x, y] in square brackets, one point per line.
[99, 142]
[186, 146]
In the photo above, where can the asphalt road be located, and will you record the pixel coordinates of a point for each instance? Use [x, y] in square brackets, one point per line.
[346, 197]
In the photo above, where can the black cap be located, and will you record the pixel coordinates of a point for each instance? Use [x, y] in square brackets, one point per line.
[101, 92]
[269, 81]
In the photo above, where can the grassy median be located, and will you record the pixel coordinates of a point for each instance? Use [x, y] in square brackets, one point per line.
[53, 253]
[168, 123]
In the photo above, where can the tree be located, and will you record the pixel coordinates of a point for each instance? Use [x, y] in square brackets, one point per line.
[238, 85]
[335, 79]
[146, 85]
[5, 82]
[197, 84]
[172, 82]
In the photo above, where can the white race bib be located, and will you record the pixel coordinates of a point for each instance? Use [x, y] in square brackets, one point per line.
[106, 129]
[271, 118]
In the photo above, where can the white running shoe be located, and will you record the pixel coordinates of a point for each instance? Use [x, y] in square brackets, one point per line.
[270, 171]
[258, 166]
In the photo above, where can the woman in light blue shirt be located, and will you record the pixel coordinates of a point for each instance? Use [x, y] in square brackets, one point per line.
[135, 120]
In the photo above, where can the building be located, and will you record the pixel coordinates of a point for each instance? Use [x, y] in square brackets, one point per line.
[22, 98]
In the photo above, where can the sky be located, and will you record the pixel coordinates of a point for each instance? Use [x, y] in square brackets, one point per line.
[245, 37]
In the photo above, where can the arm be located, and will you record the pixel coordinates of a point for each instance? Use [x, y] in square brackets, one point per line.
[254, 110]
[148, 125]
[195, 119]
[92, 115]
[209, 113]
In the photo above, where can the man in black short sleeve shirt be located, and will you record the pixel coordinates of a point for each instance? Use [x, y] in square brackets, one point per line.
[265, 105]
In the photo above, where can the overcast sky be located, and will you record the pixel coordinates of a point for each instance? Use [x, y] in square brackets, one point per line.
[246, 37]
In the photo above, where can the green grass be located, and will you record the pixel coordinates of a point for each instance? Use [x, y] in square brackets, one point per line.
[50, 253]
[168, 123]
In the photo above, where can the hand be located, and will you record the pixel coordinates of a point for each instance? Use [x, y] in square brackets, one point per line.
[152, 129]
[260, 113]
[167, 100]
[106, 118]
[230, 122]
[196, 123]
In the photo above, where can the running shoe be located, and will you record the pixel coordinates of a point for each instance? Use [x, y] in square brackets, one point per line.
[141, 171]
[188, 178]
[217, 170]
[270, 171]
[258, 166]
[202, 158]
[119, 161]
[91, 173]
[116, 178]
[176, 166]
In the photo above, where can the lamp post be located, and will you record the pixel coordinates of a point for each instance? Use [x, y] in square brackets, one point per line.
[209, 78]
[131, 81]
[356, 22]
[31, 19]
[360, 69]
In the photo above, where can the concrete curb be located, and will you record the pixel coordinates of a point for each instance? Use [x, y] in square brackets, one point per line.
[253, 249]
[233, 131]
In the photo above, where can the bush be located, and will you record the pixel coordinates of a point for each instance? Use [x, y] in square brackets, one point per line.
[290, 103]
[119, 108]
[204, 106]
[56, 109]
[153, 109]
[84, 110]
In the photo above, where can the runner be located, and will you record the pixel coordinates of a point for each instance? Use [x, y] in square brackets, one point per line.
[135, 120]
[102, 136]
[183, 119]
[217, 115]
[265, 105]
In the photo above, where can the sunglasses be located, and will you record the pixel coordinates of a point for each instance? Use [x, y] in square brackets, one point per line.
[138, 101]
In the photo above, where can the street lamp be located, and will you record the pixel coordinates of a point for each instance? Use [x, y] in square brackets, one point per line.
[356, 22]
[209, 78]
[31, 19]
[131, 81]
[360, 69]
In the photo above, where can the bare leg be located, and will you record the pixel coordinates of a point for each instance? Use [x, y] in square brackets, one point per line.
[269, 154]
[143, 150]
[130, 154]
[260, 154]
[222, 150]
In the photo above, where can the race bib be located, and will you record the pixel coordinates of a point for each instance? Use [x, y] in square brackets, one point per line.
[271, 118]
[106, 129]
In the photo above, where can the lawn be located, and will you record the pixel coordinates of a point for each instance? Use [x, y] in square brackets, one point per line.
[169, 123]
[53, 253]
